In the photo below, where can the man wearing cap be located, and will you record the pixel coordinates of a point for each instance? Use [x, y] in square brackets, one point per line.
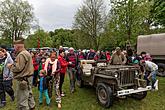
[22, 71]
[118, 58]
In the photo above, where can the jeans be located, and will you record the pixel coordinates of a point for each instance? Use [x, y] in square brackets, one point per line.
[72, 77]
[45, 92]
[153, 78]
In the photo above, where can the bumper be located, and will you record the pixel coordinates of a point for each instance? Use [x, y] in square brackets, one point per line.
[131, 91]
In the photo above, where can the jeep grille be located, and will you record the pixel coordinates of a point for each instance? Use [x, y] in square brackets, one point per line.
[126, 77]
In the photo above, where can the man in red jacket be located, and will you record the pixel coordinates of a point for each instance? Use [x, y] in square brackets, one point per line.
[64, 65]
[72, 59]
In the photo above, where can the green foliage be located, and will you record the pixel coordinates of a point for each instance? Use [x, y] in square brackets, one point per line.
[90, 19]
[158, 12]
[16, 17]
[39, 36]
[127, 19]
[6, 41]
[81, 40]
[62, 37]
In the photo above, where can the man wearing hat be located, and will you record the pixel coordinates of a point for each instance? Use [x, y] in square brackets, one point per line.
[118, 57]
[22, 71]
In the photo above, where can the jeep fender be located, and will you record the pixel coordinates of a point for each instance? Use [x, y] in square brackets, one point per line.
[99, 78]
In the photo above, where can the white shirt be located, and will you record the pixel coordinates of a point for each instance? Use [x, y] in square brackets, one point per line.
[151, 66]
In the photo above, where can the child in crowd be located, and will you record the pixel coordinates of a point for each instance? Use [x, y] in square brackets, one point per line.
[42, 64]
[43, 87]
[41, 67]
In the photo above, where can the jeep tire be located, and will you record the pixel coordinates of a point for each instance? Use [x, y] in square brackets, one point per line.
[104, 95]
[140, 95]
[161, 69]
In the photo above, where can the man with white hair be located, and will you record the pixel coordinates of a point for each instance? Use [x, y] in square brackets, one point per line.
[22, 71]
[61, 47]
[72, 59]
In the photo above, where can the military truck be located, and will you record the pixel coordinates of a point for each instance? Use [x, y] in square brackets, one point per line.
[154, 45]
[113, 81]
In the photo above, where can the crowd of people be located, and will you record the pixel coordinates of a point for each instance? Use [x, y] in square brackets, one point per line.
[47, 70]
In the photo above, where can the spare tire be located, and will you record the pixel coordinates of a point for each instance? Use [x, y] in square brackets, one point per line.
[161, 69]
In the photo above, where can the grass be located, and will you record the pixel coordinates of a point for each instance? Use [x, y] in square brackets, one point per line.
[85, 99]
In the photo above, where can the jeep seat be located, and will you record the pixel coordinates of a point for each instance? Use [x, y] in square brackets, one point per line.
[87, 69]
[101, 64]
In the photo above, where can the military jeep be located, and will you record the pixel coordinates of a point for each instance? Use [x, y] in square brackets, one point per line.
[112, 81]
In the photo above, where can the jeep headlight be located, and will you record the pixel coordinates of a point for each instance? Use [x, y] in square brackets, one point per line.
[115, 74]
[136, 72]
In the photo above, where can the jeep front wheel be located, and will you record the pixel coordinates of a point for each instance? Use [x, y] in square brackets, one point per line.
[104, 95]
[161, 70]
[140, 95]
